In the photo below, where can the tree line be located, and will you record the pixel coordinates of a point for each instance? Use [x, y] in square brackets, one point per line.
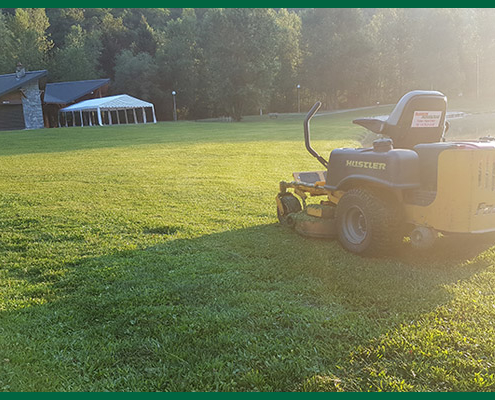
[236, 61]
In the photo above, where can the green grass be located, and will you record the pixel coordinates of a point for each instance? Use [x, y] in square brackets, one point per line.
[144, 258]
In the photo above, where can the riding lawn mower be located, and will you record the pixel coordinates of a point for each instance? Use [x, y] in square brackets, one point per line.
[410, 183]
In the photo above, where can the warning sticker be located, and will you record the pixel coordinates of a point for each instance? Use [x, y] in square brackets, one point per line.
[426, 119]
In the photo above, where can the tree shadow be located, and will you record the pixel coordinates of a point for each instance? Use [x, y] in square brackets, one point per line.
[259, 308]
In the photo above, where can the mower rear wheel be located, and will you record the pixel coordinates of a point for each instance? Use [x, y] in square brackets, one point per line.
[367, 223]
[290, 205]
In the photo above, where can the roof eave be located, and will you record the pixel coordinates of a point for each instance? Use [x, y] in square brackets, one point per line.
[73, 99]
[38, 76]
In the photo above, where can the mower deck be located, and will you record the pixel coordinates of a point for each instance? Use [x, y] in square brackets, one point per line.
[315, 220]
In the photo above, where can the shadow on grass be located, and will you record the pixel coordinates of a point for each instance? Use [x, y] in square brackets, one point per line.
[254, 309]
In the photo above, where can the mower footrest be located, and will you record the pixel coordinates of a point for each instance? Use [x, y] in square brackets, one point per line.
[312, 177]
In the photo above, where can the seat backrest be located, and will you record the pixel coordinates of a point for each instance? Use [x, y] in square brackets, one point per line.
[418, 117]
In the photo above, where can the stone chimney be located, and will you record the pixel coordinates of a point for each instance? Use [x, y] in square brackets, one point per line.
[20, 71]
[31, 100]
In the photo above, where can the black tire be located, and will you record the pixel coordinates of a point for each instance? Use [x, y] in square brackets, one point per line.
[367, 223]
[291, 205]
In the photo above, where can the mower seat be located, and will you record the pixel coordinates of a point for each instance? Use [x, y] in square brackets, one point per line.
[418, 117]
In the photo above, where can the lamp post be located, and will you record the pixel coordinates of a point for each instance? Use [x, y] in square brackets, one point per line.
[298, 99]
[175, 105]
[477, 76]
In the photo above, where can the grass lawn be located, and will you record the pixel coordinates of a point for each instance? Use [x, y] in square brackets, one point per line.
[144, 258]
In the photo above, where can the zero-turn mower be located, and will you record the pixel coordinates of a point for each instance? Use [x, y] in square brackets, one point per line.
[411, 183]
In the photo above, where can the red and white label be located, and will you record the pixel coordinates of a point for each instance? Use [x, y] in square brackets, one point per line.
[426, 119]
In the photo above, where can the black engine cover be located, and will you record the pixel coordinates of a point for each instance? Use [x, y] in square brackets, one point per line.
[396, 168]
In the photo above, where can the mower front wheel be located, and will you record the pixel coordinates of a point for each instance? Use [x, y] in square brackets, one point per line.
[290, 204]
[367, 224]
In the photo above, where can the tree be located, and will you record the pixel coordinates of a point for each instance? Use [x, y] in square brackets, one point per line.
[143, 38]
[61, 22]
[478, 52]
[393, 32]
[436, 53]
[181, 62]
[284, 96]
[337, 53]
[125, 28]
[241, 54]
[31, 43]
[7, 47]
[157, 18]
[135, 75]
[115, 38]
[78, 58]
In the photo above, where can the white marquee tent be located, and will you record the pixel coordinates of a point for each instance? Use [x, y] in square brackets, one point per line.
[120, 109]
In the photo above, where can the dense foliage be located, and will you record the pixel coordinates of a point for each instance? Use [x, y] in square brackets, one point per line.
[237, 61]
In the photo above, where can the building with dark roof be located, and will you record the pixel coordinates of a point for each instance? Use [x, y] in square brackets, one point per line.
[20, 99]
[62, 94]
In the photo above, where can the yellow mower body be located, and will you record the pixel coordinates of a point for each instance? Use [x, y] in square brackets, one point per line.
[465, 197]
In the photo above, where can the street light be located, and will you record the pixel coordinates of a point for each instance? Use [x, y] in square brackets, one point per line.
[298, 99]
[477, 76]
[175, 105]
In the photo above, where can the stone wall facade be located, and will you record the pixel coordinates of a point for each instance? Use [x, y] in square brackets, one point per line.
[31, 106]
